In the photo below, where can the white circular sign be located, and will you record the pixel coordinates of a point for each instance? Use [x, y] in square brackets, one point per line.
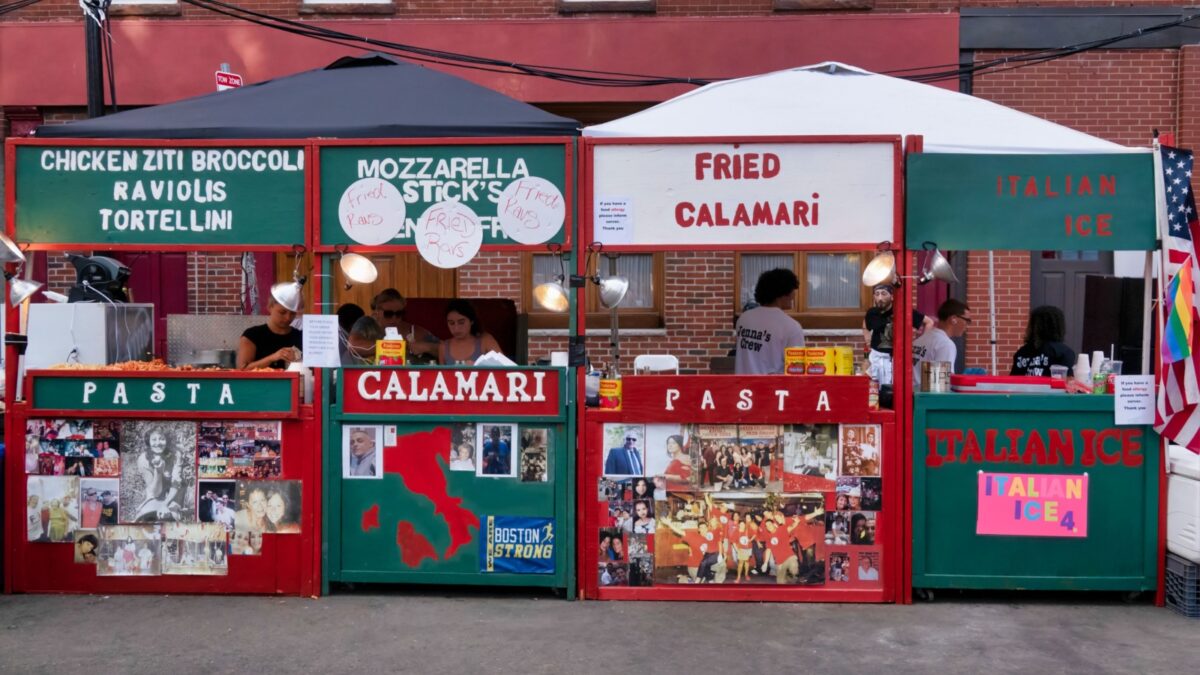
[531, 210]
[371, 211]
[448, 234]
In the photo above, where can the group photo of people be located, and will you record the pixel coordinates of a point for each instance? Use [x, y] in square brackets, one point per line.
[706, 538]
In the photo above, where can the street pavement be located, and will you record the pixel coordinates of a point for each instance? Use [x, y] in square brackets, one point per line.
[456, 631]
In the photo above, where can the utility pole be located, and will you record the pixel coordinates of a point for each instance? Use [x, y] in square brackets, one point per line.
[95, 60]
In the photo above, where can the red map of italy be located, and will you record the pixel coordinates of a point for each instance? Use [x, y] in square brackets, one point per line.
[415, 460]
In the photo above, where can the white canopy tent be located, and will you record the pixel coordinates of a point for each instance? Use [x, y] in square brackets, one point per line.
[832, 98]
[835, 99]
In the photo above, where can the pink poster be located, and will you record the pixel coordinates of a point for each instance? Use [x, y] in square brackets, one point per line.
[1032, 504]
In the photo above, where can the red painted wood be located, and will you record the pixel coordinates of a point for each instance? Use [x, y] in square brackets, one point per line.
[452, 400]
[162, 280]
[671, 397]
[673, 46]
[285, 566]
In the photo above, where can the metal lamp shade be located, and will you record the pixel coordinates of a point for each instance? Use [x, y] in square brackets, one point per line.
[551, 296]
[881, 270]
[937, 267]
[612, 291]
[289, 294]
[20, 290]
[358, 269]
[9, 252]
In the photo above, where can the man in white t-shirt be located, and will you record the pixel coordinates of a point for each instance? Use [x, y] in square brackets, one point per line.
[936, 344]
[764, 332]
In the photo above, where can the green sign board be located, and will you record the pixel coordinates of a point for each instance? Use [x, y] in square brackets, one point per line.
[967, 202]
[168, 394]
[388, 194]
[168, 195]
[1045, 439]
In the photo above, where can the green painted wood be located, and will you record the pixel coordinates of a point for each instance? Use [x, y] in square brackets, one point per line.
[185, 196]
[1119, 550]
[979, 202]
[169, 394]
[474, 175]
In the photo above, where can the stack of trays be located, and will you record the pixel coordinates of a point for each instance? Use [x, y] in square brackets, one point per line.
[1006, 384]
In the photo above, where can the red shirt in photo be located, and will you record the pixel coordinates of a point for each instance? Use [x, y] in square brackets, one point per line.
[700, 544]
[780, 544]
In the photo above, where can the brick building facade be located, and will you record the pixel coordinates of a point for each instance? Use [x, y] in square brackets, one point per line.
[1118, 93]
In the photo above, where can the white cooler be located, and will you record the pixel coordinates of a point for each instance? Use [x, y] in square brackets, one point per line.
[1183, 503]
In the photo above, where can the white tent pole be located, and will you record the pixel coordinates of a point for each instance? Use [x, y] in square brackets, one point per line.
[992, 304]
[1147, 311]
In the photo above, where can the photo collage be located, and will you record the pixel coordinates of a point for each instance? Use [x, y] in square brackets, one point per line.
[489, 450]
[150, 498]
[740, 504]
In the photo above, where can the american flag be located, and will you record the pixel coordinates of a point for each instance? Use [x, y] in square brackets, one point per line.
[1178, 410]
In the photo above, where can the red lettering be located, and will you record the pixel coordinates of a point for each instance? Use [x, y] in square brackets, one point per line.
[762, 214]
[1085, 186]
[1068, 188]
[683, 214]
[953, 438]
[704, 216]
[703, 161]
[1089, 447]
[932, 458]
[1062, 446]
[721, 167]
[800, 212]
[1049, 192]
[970, 450]
[1012, 184]
[1035, 449]
[1014, 452]
[1108, 185]
[721, 219]
[990, 450]
[1080, 225]
[815, 209]
[1031, 187]
[1106, 458]
[782, 217]
[1131, 447]
[750, 165]
[740, 217]
[1104, 225]
[999, 186]
[770, 165]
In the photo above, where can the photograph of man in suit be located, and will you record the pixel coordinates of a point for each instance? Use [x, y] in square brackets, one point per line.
[627, 459]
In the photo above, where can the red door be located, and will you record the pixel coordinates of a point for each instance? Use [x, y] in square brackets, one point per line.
[160, 279]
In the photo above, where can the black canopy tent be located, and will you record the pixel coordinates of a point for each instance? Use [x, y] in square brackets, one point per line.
[372, 96]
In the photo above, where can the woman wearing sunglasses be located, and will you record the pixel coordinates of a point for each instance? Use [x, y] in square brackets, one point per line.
[388, 310]
[936, 344]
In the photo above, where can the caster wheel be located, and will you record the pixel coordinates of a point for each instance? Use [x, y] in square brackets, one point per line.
[923, 594]
[1130, 597]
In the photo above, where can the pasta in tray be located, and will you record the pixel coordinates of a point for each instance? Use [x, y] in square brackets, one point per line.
[138, 366]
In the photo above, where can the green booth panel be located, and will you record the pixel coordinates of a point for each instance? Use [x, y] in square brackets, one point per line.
[961, 439]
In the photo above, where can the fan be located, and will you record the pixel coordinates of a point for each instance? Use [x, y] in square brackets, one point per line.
[98, 279]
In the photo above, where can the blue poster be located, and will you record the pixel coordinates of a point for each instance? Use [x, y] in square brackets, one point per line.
[517, 544]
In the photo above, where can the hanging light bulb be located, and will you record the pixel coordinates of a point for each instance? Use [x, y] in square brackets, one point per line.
[552, 296]
[357, 269]
[612, 290]
[20, 290]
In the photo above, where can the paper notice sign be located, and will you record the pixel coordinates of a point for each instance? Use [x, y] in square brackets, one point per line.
[613, 220]
[321, 341]
[1133, 399]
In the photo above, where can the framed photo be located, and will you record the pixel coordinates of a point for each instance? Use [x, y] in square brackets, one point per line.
[462, 447]
[624, 454]
[361, 457]
[860, 450]
[535, 444]
[494, 450]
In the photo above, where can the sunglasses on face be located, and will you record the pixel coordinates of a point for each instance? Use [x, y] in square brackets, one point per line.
[967, 319]
[390, 314]
[631, 439]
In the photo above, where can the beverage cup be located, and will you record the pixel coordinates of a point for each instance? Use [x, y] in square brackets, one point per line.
[1058, 372]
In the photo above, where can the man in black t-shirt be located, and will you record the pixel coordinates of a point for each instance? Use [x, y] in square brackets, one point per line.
[877, 325]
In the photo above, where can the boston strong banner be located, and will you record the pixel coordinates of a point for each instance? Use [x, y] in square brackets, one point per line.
[190, 196]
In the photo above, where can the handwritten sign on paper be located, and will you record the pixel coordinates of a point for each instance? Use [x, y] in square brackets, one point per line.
[371, 211]
[448, 234]
[1032, 504]
[531, 210]
[1133, 399]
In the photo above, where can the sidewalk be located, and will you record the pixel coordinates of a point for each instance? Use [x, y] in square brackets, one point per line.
[427, 632]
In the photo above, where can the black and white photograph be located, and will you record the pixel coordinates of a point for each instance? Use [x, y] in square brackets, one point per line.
[51, 508]
[462, 447]
[217, 502]
[158, 472]
[243, 542]
[268, 506]
[87, 547]
[535, 444]
[129, 551]
[810, 453]
[194, 548]
[494, 450]
[362, 455]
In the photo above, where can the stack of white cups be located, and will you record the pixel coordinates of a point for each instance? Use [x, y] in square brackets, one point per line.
[1083, 373]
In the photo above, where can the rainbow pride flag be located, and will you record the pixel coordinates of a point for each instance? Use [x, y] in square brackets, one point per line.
[1177, 335]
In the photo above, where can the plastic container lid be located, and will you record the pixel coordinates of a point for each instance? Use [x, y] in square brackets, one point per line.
[1184, 462]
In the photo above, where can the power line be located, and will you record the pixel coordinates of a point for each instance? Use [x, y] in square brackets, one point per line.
[14, 6]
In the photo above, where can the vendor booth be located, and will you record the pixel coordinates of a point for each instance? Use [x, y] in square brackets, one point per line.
[1016, 483]
[131, 475]
[774, 487]
[473, 480]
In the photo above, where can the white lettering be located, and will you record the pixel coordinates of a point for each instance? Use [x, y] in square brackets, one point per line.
[226, 395]
[539, 393]
[374, 376]
[394, 391]
[672, 396]
[440, 391]
[119, 395]
[707, 402]
[516, 387]
[415, 392]
[491, 388]
[782, 394]
[158, 392]
[89, 388]
[823, 401]
[745, 400]
[465, 385]
[193, 387]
